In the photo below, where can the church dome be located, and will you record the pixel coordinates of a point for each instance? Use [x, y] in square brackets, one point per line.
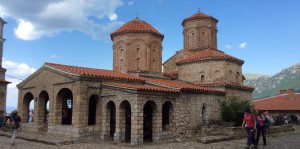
[136, 26]
[198, 15]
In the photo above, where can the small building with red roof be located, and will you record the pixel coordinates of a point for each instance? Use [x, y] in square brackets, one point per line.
[136, 101]
[287, 102]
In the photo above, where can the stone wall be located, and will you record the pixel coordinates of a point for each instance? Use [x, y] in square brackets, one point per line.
[170, 64]
[212, 71]
[3, 94]
[240, 94]
[197, 110]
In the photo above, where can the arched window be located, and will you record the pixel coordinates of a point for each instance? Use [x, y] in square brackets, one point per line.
[193, 40]
[237, 77]
[202, 78]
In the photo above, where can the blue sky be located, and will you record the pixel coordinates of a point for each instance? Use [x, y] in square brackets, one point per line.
[264, 33]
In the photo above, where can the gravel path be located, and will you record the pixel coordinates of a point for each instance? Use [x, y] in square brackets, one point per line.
[289, 140]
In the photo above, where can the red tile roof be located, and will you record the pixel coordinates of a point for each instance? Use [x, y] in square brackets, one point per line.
[217, 84]
[172, 74]
[190, 52]
[209, 54]
[185, 87]
[280, 102]
[92, 72]
[141, 87]
[138, 26]
[198, 15]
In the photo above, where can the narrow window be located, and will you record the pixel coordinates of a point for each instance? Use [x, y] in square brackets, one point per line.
[202, 78]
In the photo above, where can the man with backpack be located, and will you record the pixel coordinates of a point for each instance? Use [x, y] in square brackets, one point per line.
[15, 120]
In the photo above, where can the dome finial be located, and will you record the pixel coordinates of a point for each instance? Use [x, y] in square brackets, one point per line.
[199, 9]
[137, 15]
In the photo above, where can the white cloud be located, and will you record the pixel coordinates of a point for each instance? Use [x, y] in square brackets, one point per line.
[39, 18]
[113, 17]
[243, 45]
[228, 46]
[15, 72]
[54, 56]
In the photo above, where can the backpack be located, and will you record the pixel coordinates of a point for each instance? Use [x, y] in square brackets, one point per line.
[267, 122]
[12, 124]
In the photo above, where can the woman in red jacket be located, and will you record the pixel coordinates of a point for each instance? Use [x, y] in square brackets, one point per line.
[250, 123]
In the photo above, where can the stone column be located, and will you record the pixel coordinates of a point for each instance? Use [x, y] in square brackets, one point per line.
[38, 115]
[119, 135]
[105, 125]
[137, 125]
[157, 124]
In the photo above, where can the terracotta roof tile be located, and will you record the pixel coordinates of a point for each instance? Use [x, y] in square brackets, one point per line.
[280, 102]
[92, 72]
[141, 87]
[199, 15]
[136, 25]
[209, 55]
[172, 74]
[185, 87]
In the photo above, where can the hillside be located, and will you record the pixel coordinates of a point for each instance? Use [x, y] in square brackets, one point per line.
[266, 86]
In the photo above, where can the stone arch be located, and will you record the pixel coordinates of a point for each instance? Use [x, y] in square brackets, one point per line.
[167, 116]
[125, 120]
[202, 78]
[230, 75]
[237, 77]
[42, 113]
[111, 118]
[120, 54]
[192, 38]
[28, 97]
[217, 75]
[155, 57]
[93, 101]
[150, 121]
[204, 113]
[204, 37]
[137, 60]
[64, 106]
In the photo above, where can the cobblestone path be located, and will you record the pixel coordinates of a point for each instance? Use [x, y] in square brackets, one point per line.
[289, 140]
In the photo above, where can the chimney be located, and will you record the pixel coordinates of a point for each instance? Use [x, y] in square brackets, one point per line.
[282, 92]
[291, 94]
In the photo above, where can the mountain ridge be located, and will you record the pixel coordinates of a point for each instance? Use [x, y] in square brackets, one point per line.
[266, 86]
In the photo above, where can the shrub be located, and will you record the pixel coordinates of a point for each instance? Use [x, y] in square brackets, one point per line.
[228, 114]
[237, 106]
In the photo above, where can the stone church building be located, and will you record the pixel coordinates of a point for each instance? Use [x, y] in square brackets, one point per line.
[137, 101]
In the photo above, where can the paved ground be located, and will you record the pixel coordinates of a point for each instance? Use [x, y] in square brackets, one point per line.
[290, 140]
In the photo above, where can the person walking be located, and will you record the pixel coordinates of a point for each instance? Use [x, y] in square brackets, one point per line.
[260, 120]
[250, 122]
[15, 120]
[2, 119]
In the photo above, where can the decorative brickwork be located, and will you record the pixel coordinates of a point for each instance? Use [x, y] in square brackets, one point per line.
[137, 48]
